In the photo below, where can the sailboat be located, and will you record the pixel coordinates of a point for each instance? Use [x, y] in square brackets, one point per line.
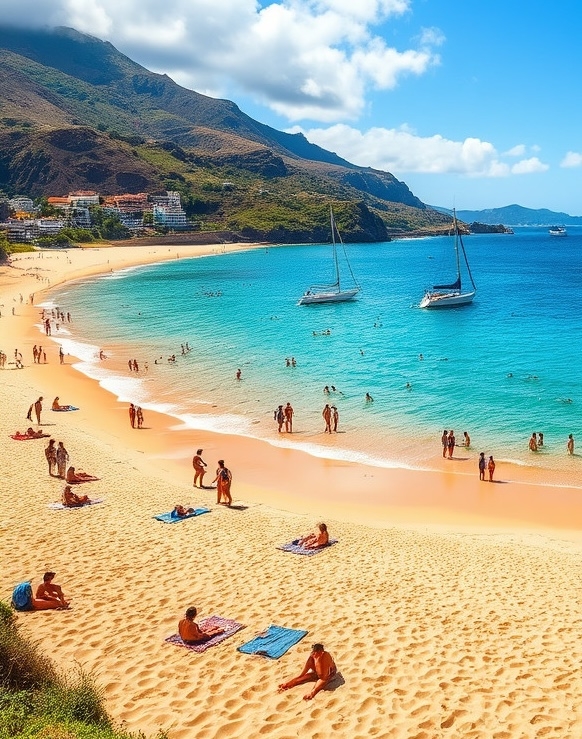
[335, 292]
[453, 295]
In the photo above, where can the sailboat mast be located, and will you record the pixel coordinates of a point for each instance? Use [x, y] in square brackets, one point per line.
[457, 237]
[335, 259]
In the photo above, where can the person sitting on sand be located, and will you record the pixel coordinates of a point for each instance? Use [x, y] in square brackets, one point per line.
[72, 500]
[76, 477]
[319, 667]
[56, 405]
[49, 594]
[191, 633]
[180, 511]
[315, 541]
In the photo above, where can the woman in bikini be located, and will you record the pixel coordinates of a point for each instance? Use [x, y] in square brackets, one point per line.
[223, 482]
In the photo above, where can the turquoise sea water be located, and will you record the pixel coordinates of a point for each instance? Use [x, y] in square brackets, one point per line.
[503, 367]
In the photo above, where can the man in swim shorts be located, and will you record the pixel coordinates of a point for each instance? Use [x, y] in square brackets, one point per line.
[319, 667]
[199, 468]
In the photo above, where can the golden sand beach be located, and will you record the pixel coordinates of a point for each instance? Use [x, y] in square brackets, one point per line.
[452, 607]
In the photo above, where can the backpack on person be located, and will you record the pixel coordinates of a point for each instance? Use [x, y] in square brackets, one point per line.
[22, 597]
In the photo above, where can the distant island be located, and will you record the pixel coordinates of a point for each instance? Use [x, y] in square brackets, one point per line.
[515, 215]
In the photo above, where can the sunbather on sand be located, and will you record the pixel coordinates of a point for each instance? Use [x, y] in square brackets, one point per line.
[72, 500]
[315, 541]
[180, 511]
[76, 477]
[191, 633]
[48, 594]
[33, 434]
[319, 667]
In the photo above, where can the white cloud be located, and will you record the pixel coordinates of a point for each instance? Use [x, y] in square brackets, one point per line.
[516, 151]
[529, 166]
[572, 159]
[402, 151]
[312, 59]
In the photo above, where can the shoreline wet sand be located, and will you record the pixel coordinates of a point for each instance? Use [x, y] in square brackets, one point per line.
[447, 604]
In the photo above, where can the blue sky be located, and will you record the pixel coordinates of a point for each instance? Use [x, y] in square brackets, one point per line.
[473, 105]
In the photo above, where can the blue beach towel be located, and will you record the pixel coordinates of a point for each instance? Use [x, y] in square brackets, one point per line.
[273, 642]
[294, 548]
[64, 408]
[169, 518]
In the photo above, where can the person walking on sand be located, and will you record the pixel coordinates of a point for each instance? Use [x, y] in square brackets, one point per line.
[451, 443]
[199, 468]
[533, 443]
[38, 409]
[491, 468]
[132, 415]
[223, 482]
[326, 413]
[319, 667]
[62, 457]
[288, 410]
[50, 453]
[570, 445]
[444, 442]
[482, 465]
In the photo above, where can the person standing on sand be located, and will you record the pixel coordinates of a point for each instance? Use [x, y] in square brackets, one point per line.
[482, 465]
[288, 418]
[61, 355]
[491, 468]
[533, 443]
[132, 415]
[223, 482]
[444, 442]
[451, 443]
[139, 417]
[50, 453]
[319, 667]
[570, 444]
[326, 413]
[38, 409]
[334, 417]
[279, 416]
[62, 457]
[199, 468]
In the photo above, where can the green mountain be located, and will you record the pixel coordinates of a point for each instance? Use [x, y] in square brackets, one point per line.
[75, 113]
[517, 215]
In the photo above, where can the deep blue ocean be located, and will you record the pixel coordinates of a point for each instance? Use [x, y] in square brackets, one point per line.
[505, 366]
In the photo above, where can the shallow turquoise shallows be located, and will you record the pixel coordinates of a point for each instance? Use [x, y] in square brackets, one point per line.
[501, 368]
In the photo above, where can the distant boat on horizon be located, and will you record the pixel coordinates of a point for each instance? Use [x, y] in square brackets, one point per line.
[452, 295]
[557, 231]
[333, 292]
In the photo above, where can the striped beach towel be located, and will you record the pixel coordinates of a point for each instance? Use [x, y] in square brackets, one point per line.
[295, 548]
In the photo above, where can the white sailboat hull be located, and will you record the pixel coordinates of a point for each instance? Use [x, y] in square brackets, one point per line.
[446, 300]
[328, 297]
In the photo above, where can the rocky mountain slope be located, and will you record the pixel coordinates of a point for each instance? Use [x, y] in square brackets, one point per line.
[75, 113]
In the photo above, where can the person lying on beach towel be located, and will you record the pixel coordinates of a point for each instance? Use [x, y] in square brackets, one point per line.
[72, 500]
[74, 478]
[191, 633]
[56, 406]
[181, 511]
[315, 540]
[30, 434]
[319, 667]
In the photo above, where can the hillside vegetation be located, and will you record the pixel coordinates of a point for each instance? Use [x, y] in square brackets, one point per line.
[75, 113]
